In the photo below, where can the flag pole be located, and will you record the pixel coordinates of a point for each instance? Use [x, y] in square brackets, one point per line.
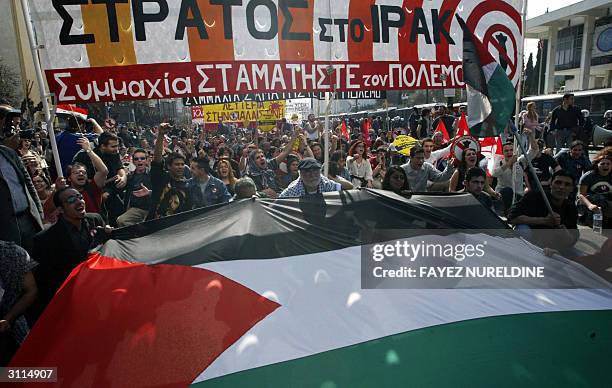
[329, 99]
[520, 64]
[532, 170]
[519, 86]
[41, 85]
[541, 50]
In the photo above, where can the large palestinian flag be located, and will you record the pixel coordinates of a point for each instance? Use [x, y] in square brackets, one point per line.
[491, 96]
[268, 294]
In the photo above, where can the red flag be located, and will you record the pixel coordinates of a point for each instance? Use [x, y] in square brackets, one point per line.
[462, 127]
[442, 129]
[365, 131]
[183, 323]
[495, 155]
[72, 110]
[344, 130]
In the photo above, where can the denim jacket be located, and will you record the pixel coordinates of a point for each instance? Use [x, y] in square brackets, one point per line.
[215, 192]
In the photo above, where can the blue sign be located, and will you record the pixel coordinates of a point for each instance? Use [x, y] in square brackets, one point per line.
[604, 41]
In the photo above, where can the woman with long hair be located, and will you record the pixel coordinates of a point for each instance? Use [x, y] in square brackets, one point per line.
[226, 174]
[531, 118]
[379, 167]
[469, 159]
[396, 180]
[45, 190]
[340, 158]
[359, 166]
[334, 175]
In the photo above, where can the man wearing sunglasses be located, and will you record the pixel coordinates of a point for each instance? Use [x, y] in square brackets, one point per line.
[64, 245]
[138, 191]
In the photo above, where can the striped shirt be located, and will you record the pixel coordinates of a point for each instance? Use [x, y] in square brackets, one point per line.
[297, 189]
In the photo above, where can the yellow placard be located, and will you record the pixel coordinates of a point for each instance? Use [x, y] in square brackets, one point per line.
[264, 113]
[404, 143]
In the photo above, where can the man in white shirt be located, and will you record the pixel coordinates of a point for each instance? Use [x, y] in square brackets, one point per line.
[433, 157]
[313, 128]
[509, 171]
[419, 172]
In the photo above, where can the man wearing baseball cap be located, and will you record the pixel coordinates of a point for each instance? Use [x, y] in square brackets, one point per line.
[310, 181]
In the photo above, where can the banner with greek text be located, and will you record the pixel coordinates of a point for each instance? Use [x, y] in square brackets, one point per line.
[106, 50]
[227, 98]
[265, 114]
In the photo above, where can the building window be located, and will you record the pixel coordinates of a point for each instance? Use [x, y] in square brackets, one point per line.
[569, 47]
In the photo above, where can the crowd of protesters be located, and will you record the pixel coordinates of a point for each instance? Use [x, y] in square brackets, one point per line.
[115, 176]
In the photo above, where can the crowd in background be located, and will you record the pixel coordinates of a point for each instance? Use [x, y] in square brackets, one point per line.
[116, 176]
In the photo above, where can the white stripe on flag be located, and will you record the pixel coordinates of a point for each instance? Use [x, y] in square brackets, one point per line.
[488, 70]
[323, 306]
[480, 106]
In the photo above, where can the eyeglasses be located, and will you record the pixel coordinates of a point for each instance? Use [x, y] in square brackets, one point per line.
[139, 158]
[73, 199]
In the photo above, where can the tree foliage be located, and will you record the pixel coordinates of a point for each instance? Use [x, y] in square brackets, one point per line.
[9, 85]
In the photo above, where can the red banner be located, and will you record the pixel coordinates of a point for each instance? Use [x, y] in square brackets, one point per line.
[175, 80]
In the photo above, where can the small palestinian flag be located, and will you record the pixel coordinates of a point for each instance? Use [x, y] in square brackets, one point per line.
[72, 110]
[264, 293]
[462, 127]
[490, 94]
[442, 129]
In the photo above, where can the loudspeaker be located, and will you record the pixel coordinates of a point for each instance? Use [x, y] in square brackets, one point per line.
[601, 135]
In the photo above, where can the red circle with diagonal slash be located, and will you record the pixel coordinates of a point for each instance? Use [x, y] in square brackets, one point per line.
[489, 39]
[497, 6]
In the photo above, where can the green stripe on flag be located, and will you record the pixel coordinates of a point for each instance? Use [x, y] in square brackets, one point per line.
[503, 99]
[559, 349]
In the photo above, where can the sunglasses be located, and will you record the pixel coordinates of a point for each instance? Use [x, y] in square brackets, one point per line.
[139, 158]
[73, 199]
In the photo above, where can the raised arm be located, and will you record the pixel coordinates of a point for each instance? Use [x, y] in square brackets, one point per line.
[99, 166]
[159, 142]
[287, 150]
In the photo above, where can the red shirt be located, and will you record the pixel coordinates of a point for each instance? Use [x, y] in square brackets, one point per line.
[92, 195]
[373, 162]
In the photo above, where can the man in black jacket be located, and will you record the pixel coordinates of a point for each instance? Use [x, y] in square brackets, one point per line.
[62, 247]
[20, 209]
[137, 192]
[565, 122]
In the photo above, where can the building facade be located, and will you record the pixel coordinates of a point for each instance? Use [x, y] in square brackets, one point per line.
[577, 46]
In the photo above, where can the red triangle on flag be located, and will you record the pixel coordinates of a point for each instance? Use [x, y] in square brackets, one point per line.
[462, 127]
[495, 155]
[442, 129]
[344, 130]
[365, 131]
[116, 323]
